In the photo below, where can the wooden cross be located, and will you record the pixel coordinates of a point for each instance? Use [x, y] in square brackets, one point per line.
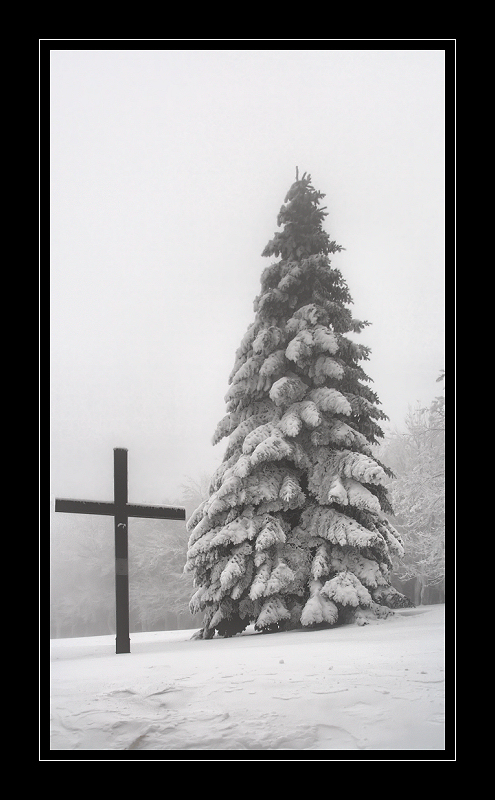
[121, 511]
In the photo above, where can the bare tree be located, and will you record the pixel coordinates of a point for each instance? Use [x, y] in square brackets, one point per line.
[418, 494]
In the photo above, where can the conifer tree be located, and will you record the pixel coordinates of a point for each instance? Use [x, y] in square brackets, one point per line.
[294, 531]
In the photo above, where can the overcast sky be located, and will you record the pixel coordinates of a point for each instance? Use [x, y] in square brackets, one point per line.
[168, 169]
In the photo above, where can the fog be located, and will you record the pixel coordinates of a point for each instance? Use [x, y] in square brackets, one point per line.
[168, 169]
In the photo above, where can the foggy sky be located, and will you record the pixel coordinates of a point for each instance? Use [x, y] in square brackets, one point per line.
[168, 169]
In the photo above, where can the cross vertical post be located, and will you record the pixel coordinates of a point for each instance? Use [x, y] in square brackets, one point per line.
[122, 641]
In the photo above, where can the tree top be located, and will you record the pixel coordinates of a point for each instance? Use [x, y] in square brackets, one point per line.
[301, 219]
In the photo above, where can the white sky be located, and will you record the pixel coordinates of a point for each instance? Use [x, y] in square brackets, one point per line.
[168, 169]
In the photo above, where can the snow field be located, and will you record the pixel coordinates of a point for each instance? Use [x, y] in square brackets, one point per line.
[374, 687]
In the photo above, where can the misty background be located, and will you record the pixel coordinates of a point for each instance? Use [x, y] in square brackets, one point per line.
[168, 169]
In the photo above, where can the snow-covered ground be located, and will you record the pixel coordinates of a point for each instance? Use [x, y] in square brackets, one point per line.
[375, 687]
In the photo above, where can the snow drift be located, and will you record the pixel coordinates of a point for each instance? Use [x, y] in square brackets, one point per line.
[373, 687]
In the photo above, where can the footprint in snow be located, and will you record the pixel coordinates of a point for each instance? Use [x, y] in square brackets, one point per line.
[164, 691]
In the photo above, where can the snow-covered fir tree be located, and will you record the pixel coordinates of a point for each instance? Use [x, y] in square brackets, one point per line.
[294, 531]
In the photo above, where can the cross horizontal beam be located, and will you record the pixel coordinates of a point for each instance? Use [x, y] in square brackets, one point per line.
[107, 509]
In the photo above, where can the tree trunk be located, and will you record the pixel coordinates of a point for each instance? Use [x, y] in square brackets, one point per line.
[418, 591]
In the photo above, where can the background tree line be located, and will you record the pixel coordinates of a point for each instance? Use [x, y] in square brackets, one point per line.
[417, 457]
[82, 547]
[83, 565]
